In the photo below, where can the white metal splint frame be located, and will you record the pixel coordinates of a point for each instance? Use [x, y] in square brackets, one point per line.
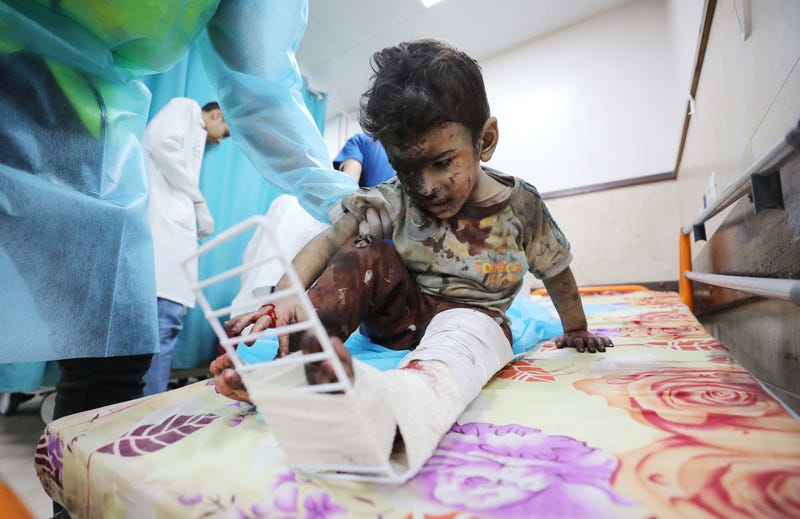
[386, 472]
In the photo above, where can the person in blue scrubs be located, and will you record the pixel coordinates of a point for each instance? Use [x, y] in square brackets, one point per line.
[364, 159]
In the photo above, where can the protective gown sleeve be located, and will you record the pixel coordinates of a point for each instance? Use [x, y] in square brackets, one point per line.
[248, 51]
[76, 256]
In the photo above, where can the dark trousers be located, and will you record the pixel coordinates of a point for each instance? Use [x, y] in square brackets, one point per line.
[95, 382]
[89, 383]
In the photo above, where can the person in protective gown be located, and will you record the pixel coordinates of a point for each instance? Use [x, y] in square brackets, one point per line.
[76, 256]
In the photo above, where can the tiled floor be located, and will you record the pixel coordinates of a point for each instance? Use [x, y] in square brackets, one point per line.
[19, 435]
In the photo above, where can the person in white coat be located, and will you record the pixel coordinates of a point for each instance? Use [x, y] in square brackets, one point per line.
[174, 144]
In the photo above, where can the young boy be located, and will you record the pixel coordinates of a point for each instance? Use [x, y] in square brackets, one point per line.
[464, 236]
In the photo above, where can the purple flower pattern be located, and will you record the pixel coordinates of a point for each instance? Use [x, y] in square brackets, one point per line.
[282, 504]
[246, 410]
[515, 471]
[49, 458]
[320, 506]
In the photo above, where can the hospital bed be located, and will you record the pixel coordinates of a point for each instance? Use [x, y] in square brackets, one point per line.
[666, 424]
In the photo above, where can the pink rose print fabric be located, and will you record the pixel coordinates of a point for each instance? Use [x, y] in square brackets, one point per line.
[664, 425]
[734, 451]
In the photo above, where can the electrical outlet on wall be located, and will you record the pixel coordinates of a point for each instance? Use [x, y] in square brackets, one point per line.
[711, 192]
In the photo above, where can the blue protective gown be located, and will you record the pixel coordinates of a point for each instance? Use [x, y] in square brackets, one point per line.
[76, 257]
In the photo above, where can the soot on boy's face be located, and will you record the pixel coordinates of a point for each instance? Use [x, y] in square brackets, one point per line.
[439, 169]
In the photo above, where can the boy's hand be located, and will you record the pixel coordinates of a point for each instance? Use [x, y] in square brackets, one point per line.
[235, 325]
[583, 340]
[226, 380]
[284, 312]
[566, 298]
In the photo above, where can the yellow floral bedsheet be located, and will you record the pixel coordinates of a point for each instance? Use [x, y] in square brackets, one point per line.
[666, 424]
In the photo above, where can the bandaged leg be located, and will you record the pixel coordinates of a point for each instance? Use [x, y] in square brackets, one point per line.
[460, 351]
[458, 354]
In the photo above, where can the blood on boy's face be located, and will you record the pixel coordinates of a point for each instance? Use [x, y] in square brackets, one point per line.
[439, 170]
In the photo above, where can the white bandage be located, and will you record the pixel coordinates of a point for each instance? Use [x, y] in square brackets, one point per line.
[315, 429]
[470, 343]
[460, 351]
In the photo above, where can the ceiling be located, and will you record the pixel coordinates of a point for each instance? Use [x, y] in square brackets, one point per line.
[342, 35]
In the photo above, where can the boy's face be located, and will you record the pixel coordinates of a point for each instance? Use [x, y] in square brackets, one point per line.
[439, 170]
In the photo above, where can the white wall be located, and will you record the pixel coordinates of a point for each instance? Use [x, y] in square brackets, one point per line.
[338, 129]
[596, 102]
[748, 97]
[684, 26]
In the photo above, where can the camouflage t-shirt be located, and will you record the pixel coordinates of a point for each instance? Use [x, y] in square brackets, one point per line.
[479, 256]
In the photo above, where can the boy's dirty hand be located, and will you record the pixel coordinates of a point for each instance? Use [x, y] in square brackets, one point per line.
[583, 340]
[226, 381]
[236, 325]
[270, 315]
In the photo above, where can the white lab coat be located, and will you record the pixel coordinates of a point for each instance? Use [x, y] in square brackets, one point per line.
[173, 145]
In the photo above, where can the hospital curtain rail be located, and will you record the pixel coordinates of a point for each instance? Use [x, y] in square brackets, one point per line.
[761, 182]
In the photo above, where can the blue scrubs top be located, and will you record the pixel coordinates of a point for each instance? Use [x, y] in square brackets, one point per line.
[375, 165]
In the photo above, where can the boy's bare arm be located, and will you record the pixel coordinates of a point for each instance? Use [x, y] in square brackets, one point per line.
[563, 291]
[309, 264]
[317, 253]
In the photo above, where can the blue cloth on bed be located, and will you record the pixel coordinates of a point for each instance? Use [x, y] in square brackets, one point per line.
[531, 324]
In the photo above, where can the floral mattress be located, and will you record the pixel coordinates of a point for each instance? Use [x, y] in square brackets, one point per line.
[666, 424]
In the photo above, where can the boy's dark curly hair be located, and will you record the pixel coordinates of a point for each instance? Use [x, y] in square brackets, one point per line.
[418, 86]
